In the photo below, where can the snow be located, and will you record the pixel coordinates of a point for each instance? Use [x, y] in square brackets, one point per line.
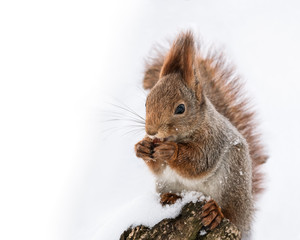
[67, 174]
[144, 210]
[235, 142]
[202, 233]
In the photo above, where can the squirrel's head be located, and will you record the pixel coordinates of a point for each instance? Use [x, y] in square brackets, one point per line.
[173, 106]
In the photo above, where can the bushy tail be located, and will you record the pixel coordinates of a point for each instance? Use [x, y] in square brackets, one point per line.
[225, 90]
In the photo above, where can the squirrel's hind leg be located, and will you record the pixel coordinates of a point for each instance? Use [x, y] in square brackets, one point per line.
[211, 215]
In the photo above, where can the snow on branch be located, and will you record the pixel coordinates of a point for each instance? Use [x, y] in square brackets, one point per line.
[186, 226]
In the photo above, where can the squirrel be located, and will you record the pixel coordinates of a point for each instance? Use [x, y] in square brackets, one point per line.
[201, 134]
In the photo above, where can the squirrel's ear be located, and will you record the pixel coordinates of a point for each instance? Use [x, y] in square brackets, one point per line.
[181, 58]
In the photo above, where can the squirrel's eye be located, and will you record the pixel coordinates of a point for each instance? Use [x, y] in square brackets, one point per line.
[180, 109]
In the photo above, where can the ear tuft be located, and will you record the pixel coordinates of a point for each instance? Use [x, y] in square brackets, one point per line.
[180, 58]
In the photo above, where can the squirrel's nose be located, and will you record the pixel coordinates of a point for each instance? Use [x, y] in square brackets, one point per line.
[151, 131]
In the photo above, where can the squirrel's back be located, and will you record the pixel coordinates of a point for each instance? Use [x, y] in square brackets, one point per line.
[225, 91]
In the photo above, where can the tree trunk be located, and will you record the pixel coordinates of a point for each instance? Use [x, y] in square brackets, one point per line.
[186, 226]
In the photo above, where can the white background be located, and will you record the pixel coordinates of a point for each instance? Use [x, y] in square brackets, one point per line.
[62, 175]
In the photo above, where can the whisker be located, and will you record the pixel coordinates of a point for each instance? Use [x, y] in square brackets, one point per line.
[128, 109]
[125, 122]
[125, 119]
[134, 131]
[116, 113]
[110, 129]
[136, 127]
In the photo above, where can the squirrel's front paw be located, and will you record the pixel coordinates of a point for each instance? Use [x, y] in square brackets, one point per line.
[144, 150]
[165, 151]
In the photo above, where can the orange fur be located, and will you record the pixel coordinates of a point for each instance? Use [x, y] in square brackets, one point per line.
[181, 58]
[192, 146]
[222, 86]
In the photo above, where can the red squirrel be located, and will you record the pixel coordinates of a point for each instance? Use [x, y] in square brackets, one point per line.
[201, 134]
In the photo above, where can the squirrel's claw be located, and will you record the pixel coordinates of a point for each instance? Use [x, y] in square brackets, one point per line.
[168, 198]
[144, 149]
[211, 215]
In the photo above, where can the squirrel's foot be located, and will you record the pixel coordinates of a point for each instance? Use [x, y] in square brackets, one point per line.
[211, 215]
[168, 198]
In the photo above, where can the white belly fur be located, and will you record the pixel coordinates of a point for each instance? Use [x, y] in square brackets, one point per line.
[171, 181]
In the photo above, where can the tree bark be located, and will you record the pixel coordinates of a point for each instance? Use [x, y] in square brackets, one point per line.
[186, 226]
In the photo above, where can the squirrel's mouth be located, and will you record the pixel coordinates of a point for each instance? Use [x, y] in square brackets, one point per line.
[158, 140]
